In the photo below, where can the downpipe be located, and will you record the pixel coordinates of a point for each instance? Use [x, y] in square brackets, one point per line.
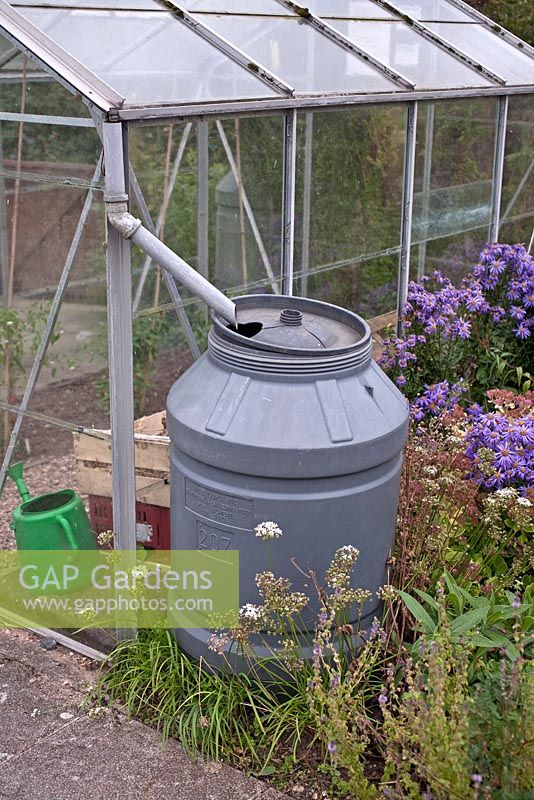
[132, 228]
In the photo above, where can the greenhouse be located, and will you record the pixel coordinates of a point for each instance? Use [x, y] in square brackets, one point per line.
[330, 152]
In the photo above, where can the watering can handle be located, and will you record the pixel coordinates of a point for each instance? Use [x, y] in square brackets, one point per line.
[69, 533]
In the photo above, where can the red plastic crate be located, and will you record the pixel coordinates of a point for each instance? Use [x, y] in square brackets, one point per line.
[153, 528]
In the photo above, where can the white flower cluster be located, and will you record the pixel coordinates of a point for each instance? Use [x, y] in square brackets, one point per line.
[267, 531]
[507, 501]
[105, 538]
[387, 592]
[348, 552]
[338, 573]
[250, 611]
[508, 493]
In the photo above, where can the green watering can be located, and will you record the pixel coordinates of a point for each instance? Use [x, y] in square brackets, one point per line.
[55, 521]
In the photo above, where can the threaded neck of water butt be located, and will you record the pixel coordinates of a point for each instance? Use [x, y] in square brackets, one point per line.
[283, 335]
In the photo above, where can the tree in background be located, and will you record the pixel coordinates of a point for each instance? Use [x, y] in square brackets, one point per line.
[515, 15]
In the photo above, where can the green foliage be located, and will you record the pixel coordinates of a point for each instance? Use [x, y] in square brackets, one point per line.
[485, 623]
[148, 332]
[20, 334]
[441, 699]
[426, 728]
[219, 715]
[502, 729]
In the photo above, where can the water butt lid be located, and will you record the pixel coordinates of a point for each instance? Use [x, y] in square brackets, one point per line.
[291, 334]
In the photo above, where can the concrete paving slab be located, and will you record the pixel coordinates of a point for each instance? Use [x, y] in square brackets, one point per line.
[52, 748]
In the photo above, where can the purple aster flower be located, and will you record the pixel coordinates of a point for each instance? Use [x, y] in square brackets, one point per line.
[522, 331]
[332, 747]
[475, 301]
[382, 699]
[486, 256]
[514, 290]
[463, 328]
[497, 267]
[523, 432]
[497, 313]
[475, 410]
[504, 455]
[516, 312]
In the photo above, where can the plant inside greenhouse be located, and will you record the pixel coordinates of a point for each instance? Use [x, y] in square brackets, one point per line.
[266, 399]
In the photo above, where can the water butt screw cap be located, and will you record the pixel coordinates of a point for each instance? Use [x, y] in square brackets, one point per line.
[291, 335]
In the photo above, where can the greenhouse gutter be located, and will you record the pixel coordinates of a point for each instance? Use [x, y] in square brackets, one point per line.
[148, 114]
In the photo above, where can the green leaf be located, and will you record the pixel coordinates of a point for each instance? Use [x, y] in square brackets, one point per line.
[265, 771]
[418, 612]
[483, 641]
[467, 621]
[428, 599]
[475, 602]
[454, 592]
[498, 565]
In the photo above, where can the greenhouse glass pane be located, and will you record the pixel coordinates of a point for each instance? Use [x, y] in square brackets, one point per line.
[355, 9]
[517, 206]
[368, 288]
[438, 10]
[245, 248]
[492, 51]
[237, 6]
[454, 255]
[126, 5]
[20, 76]
[149, 58]
[348, 200]
[454, 168]
[300, 54]
[149, 147]
[400, 47]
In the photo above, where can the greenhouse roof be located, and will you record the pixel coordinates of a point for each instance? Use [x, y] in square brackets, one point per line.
[144, 59]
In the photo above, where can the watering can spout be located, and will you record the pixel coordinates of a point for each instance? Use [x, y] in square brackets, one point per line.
[15, 473]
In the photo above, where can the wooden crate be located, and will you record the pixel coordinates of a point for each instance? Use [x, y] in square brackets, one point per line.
[152, 465]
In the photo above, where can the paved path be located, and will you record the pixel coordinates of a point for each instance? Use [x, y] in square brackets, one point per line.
[51, 749]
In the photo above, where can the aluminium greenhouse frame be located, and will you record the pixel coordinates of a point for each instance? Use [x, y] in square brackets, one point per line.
[112, 117]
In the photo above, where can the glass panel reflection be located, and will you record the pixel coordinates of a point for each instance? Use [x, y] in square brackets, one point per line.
[438, 10]
[400, 47]
[149, 58]
[491, 50]
[356, 9]
[300, 54]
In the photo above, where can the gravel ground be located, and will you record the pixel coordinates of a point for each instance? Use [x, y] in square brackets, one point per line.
[42, 476]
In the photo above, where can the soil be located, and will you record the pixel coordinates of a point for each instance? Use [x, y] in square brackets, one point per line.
[47, 450]
[80, 401]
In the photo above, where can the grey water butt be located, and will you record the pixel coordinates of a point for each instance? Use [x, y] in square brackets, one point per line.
[287, 418]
